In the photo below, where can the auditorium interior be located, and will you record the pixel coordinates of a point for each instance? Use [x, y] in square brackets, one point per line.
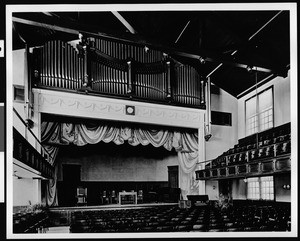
[151, 121]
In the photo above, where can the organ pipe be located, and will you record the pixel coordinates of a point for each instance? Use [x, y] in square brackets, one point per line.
[86, 77]
[202, 92]
[169, 89]
[115, 68]
[129, 79]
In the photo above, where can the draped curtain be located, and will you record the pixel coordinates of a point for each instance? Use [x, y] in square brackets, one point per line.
[186, 145]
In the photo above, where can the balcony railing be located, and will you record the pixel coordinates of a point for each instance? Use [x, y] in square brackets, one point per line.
[26, 153]
[268, 155]
[34, 155]
[115, 69]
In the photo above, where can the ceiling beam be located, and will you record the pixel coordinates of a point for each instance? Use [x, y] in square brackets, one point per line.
[182, 31]
[221, 61]
[170, 51]
[45, 25]
[124, 22]
[252, 36]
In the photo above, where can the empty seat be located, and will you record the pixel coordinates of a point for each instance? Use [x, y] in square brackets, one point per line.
[199, 227]
[164, 229]
[113, 197]
[81, 196]
[104, 198]
[140, 196]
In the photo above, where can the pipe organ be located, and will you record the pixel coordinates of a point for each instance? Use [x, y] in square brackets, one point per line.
[114, 68]
[58, 64]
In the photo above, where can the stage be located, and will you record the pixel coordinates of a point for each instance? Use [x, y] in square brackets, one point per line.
[110, 207]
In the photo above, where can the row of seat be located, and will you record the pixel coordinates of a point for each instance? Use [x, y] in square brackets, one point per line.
[260, 143]
[265, 136]
[174, 219]
[272, 142]
[251, 155]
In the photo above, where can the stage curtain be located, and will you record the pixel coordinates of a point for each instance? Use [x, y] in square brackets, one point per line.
[187, 176]
[81, 134]
[50, 134]
[186, 144]
[157, 138]
[51, 190]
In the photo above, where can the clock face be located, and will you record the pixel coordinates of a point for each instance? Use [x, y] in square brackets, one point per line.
[130, 110]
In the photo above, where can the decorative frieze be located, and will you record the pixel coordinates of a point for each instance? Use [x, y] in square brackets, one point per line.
[88, 106]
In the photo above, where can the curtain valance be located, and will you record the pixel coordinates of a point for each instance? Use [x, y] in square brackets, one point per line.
[82, 134]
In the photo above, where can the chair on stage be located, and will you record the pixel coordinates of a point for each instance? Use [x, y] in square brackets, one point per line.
[140, 196]
[113, 197]
[81, 196]
[104, 198]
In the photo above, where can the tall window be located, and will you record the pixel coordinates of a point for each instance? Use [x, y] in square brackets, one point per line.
[259, 112]
[260, 188]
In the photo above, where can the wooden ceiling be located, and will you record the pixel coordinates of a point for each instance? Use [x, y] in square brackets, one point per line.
[222, 45]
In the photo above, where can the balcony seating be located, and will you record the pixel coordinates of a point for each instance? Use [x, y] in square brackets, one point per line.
[268, 144]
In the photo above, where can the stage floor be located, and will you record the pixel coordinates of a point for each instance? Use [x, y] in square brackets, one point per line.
[112, 206]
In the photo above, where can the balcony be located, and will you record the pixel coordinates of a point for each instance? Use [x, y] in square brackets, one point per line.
[271, 154]
[109, 68]
[27, 154]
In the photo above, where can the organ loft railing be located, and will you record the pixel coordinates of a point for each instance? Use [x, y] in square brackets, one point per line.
[113, 68]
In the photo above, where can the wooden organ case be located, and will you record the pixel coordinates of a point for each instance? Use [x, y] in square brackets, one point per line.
[113, 68]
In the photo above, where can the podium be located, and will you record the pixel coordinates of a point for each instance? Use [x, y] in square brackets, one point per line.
[127, 198]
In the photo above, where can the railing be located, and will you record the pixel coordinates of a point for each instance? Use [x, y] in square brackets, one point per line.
[264, 157]
[256, 168]
[28, 154]
[24, 152]
[112, 68]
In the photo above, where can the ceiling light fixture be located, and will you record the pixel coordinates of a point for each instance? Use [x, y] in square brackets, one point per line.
[249, 68]
[202, 60]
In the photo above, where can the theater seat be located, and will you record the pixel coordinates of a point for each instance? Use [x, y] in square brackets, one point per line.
[199, 227]
[81, 196]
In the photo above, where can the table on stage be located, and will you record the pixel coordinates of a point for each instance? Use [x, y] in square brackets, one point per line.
[131, 200]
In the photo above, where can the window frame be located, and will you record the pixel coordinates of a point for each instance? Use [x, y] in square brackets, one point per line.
[260, 188]
[18, 87]
[221, 114]
[257, 115]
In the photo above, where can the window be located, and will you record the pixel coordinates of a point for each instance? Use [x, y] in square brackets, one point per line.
[19, 93]
[220, 118]
[260, 188]
[253, 188]
[259, 112]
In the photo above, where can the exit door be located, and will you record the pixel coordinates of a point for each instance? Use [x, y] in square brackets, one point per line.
[71, 180]
[173, 176]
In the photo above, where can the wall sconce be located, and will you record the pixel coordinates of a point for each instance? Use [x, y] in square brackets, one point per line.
[146, 49]
[286, 186]
[245, 180]
[130, 110]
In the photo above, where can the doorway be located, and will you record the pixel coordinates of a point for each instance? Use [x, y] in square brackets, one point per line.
[173, 176]
[71, 180]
